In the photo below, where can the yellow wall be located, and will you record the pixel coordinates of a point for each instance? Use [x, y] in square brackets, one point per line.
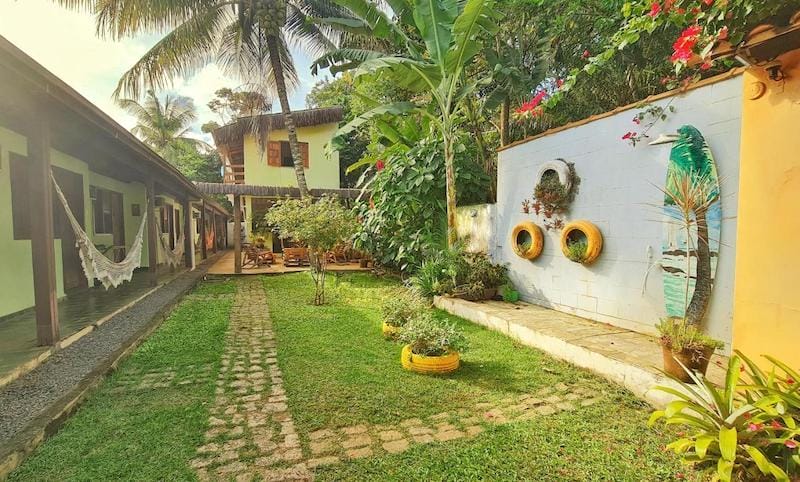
[323, 170]
[767, 290]
[16, 271]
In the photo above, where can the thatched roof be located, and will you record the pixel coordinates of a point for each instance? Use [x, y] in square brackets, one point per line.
[234, 132]
[270, 191]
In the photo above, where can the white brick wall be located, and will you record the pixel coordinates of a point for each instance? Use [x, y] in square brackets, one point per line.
[618, 192]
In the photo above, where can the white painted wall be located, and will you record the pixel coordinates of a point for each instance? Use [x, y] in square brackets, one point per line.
[618, 193]
[474, 226]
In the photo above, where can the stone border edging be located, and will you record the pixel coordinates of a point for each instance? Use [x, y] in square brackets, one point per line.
[50, 421]
[639, 381]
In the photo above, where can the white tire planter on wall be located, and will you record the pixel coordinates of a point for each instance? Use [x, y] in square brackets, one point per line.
[561, 168]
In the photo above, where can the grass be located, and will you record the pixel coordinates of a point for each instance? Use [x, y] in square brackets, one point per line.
[339, 371]
[125, 433]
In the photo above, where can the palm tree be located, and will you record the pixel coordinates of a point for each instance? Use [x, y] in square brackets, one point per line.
[163, 125]
[247, 39]
[435, 42]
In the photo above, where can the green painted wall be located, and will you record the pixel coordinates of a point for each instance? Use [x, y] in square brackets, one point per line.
[16, 276]
[323, 170]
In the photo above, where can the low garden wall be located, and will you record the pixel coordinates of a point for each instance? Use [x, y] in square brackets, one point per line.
[620, 192]
[474, 225]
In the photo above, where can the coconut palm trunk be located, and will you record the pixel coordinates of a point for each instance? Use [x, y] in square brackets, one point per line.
[450, 195]
[280, 87]
[702, 286]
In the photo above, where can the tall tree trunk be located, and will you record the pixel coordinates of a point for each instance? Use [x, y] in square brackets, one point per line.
[450, 178]
[505, 109]
[280, 84]
[702, 286]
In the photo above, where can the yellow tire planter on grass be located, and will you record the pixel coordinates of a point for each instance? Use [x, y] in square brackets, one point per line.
[534, 233]
[593, 237]
[429, 364]
[390, 331]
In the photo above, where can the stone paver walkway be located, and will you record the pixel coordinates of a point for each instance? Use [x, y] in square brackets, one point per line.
[252, 435]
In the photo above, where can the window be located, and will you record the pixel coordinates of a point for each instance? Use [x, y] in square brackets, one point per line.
[286, 155]
[279, 154]
[102, 209]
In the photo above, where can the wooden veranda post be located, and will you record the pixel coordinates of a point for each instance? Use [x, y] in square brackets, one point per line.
[214, 228]
[237, 237]
[188, 234]
[42, 234]
[203, 252]
[152, 253]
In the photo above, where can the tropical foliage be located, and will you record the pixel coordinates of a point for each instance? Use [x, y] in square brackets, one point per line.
[320, 226]
[433, 44]
[455, 271]
[744, 430]
[429, 336]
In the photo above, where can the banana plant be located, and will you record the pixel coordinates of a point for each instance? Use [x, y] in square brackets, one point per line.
[743, 430]
[432, 43]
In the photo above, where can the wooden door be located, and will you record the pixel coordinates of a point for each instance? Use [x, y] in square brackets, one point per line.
[72, 186]
[118, 226]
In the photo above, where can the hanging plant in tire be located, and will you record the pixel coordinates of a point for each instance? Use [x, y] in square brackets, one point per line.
[552, 199]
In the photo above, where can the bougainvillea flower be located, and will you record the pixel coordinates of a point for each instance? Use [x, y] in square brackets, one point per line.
[628, 135]
[637, 121]
[379, 165]
[754, 427]
[790, 443]
[655, 9]
[533, 106]
[705, 66]
[684, 45]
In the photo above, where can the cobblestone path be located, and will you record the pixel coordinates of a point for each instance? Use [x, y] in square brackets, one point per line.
[252, 436]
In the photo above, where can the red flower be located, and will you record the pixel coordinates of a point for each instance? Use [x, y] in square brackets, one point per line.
[706, 66]
[681, 10]
[628, 135]
[790, 380]
[586, 54]
[637, 121]
[754, 427]
[695, 10]
[790, 443]
[559, 82]
[655, 9]
[747, 415]
[723, 33]
[684, 45]
[532, 105]
[708, 2]
[379, 165]
[680, 476]
[776, 425]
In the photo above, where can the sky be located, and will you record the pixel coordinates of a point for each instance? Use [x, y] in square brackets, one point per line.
[64, 42]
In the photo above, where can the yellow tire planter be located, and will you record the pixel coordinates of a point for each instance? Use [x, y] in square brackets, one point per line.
[429, 364]
[527, 229]
[390, 331]
[592, 235]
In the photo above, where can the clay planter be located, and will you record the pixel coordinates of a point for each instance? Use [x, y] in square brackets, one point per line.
[390, 332]
[695, 360]
[429, 364]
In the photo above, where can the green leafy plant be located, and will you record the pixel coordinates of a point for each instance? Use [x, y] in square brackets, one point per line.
[399, 310]
[451, 271]
[576, 250]
[431, 337]
[510, 295]
[552, 199]
[678, 335]
[320, 226]
[523, 247]
[744, 430]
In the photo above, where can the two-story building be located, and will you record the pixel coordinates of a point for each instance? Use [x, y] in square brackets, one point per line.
[264, 166]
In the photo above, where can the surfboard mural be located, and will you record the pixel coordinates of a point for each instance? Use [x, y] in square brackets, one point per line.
[692, 221]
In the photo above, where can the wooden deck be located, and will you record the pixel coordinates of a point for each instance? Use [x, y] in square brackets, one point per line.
[224, 266]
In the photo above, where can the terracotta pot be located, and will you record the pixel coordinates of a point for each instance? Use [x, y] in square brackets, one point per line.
[429, 364]
[695, 360]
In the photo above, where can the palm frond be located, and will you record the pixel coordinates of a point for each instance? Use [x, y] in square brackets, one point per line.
[125, 18]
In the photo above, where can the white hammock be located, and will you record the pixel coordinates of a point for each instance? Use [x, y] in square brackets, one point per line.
[95, 264]
[172, 257]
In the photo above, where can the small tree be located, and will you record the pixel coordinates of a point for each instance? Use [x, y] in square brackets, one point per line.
[320, 226]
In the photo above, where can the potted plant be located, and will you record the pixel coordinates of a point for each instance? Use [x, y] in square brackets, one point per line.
[260, 241]
[431, 346]
[684, 344]
[399, 310]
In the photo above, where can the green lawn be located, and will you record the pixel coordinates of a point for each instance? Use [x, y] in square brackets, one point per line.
[129, 432]
[339, 371]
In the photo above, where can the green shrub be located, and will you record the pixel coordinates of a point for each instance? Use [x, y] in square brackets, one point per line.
[576, 250]
[431, 337]
[400, 309]
[745, 430]
[510, 295]
[454, 270]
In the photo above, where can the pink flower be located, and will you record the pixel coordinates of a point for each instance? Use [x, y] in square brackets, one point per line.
[379, 165]
[754, 427]
[723, 33]
[586, 54]
[776, 425]
[683, 48]
[628, 135]
[655, 9]
[790, 443]
[706, 66]
[559, 82]
[637, 121]
[708, 2]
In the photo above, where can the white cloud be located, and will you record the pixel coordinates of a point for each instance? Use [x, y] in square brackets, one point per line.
[65, 43]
